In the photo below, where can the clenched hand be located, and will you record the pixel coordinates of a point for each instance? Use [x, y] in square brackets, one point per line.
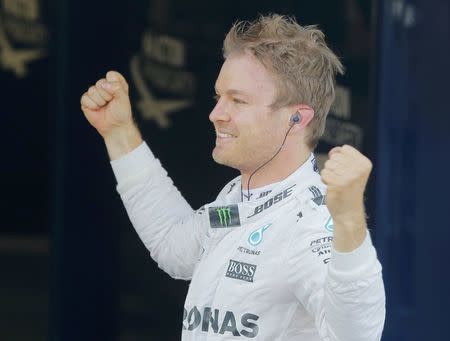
[346, 173]
[107, 107]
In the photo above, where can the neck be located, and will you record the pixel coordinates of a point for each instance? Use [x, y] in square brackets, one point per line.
[283, 165]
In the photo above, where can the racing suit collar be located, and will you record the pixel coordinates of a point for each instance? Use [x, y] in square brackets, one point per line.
[234, 193]
[239, 212]
[257, 193]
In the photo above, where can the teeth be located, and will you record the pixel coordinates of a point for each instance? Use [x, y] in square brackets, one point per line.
[224, 135]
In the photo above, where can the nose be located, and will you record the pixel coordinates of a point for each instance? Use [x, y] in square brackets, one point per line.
[219, 112]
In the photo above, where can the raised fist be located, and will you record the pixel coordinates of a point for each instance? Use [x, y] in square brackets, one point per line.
[106, 104]
[345, 173]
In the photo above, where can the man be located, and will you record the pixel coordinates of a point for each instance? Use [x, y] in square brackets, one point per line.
[266, 260]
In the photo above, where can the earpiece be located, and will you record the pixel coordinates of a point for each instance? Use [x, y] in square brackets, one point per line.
[296, 118]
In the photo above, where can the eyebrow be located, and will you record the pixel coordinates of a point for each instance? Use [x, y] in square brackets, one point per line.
[234, 92]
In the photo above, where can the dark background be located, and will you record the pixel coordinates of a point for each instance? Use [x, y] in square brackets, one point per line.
[72, 267]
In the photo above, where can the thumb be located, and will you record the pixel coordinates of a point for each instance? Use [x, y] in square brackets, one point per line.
[334, 150]
[115, 89]
[114, 76]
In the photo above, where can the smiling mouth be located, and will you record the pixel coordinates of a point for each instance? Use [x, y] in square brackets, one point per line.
[224, 135]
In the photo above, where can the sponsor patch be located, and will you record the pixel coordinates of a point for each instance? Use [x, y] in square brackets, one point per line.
[240, 270]
[272, 201]
[322, 248]
[249, 251]
[213, 321]
[201, 210]
[224, 216]
[314, 165]
[264, 194]
[318, 197]
[256, 237]
[329, 225]
[231, 187]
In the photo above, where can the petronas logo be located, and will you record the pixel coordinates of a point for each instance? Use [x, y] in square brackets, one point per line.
[329, 225]
[224, 216]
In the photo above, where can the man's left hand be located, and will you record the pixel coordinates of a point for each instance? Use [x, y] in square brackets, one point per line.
[346, 173]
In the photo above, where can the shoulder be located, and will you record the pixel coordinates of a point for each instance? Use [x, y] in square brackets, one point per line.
[313, 219]
[309, 244]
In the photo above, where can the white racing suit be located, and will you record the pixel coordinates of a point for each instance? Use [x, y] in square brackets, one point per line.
[263, 269]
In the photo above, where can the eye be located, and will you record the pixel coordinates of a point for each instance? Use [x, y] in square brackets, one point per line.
[238, 101]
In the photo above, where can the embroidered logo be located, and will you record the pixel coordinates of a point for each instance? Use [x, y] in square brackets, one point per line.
[329, 225]
[224, 216]
[256, 237]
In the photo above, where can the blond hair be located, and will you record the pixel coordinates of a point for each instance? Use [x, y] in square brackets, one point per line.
[297, 56]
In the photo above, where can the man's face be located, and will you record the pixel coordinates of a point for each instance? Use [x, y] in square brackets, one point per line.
[248, 131]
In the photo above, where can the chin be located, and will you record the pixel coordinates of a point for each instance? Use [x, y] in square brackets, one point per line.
[218, 157]
[222, 159]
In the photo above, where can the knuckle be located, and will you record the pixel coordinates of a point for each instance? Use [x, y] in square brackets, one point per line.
[91, 90]
[100, 82]
[84, 98]
[342, 160]
[347, 148]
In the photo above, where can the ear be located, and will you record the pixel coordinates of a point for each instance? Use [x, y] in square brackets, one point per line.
[306, 114]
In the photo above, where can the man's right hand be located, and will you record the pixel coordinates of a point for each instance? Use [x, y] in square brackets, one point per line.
[106, 104]
[107, 107]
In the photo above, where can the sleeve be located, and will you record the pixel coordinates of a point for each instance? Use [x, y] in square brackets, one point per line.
[164, 221]
[343, 292]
